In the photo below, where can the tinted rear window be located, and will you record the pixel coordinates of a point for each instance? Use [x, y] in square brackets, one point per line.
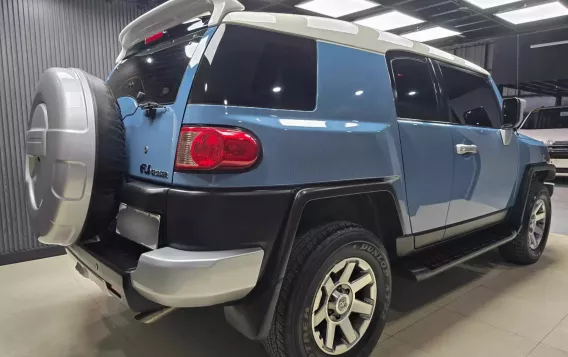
[254, 68]
[415, 95]
[547, 119]
[156, 71]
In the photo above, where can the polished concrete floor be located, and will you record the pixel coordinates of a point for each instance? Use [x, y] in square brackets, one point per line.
[484, 308]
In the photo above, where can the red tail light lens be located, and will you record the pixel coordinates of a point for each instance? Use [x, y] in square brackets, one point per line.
[206, 148]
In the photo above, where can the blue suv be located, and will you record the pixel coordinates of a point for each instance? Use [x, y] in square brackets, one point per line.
[282, 166]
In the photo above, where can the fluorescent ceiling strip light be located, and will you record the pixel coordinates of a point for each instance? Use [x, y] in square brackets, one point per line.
[337, 8]
[549, 44]
[534, 13]
[389, 21]
[486, 4]
[430, 34]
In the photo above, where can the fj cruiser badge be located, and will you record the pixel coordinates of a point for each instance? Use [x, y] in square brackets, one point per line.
[147, 170]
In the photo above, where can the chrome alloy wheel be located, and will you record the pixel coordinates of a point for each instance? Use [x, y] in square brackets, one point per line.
[537, 224]
[344, 305]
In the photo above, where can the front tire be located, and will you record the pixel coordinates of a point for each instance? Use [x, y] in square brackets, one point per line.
[529, 244]
[335, 296]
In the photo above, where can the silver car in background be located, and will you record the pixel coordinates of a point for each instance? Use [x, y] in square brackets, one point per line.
[550, 125]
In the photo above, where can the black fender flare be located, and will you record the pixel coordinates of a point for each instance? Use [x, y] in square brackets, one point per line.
[252, 316]
[516, 214]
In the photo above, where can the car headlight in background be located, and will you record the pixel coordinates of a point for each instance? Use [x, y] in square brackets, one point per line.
[549, 142]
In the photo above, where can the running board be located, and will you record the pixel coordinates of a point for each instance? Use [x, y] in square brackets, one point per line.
[435, 260]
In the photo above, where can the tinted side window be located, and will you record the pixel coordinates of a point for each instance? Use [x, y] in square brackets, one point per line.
[471, 98]
[415, 93]
[256, 68]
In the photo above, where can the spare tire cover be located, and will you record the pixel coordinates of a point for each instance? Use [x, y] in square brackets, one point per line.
[75, 156]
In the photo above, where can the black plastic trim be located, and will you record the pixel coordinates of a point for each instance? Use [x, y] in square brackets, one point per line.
[441, 236]
[214, 220]
[458, 229]
[517, 213]
[145, 196]
[550, 187]
[253, 315]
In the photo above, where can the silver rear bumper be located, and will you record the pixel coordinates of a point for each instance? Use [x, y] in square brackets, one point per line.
[177, 278]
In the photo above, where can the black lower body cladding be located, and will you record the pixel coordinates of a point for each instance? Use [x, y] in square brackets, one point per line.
[213, 220]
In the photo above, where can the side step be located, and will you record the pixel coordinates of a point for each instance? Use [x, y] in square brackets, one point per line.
[441, 257]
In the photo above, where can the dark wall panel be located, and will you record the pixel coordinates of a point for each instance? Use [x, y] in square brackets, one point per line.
[480, 54]
[36, 35]
[541, 57]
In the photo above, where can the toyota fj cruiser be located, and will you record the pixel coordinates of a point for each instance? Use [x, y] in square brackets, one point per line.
[278, 165]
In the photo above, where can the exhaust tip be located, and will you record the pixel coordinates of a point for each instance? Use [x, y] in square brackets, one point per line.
[149, 317]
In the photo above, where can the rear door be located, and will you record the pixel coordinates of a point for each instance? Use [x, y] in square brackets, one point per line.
[485, 165]
[159, 74]
[426, 140]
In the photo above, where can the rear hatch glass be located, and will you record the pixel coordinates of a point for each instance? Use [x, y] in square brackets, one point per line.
[155, 71]
[152, 74]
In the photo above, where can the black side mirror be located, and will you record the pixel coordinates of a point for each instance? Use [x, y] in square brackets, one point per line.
[513, 111]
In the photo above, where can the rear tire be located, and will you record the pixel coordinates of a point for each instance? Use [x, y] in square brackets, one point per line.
[303, 316]
[528, 245]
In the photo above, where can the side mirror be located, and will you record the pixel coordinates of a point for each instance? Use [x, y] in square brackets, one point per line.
[513, 112]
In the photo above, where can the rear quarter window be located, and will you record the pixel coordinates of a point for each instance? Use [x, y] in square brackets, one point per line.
[255, 68]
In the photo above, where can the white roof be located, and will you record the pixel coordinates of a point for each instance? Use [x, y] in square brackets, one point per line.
[344, 33]
[174, 12]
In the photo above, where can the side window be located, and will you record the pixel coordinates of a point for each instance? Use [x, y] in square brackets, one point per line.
[257, 68]
[415, 93]
[471, 98]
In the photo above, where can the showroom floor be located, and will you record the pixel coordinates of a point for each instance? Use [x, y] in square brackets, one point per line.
[484, 308]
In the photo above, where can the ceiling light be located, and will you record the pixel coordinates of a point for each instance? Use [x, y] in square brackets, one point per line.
[486, 4]
[534, 13]
[389, 21]
[337, 8]
[430, 34]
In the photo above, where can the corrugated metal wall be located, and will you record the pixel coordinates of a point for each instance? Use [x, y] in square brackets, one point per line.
[36, 35]
[480, 54]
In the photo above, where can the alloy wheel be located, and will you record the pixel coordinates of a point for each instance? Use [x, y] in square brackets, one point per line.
[344, 305]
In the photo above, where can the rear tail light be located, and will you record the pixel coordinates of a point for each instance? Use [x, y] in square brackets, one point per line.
[206, 148]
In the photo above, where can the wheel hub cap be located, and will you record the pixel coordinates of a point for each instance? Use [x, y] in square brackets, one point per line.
[344, 305]
[340, 302]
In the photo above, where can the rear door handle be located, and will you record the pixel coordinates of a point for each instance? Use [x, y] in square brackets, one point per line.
[462, 149]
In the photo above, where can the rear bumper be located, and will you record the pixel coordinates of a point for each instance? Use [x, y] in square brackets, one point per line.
[176, 278]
